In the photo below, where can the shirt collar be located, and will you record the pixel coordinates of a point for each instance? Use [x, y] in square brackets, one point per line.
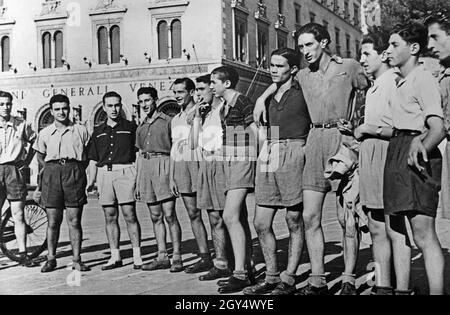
[400, 80]
[105, 125]
[444, 73]
[379, 81]
[53, 128]
[12, 121]
[326, 61]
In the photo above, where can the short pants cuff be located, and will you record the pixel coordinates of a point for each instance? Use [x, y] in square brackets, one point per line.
[315, 188]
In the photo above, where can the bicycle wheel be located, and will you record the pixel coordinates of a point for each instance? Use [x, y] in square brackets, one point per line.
[36, 219]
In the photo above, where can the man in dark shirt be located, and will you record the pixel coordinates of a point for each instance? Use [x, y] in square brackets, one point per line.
[112, 154]
[279, 173]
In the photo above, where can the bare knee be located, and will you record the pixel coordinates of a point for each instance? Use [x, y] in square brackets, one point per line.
[195, 215]
[215, 220]
[311, 220]
[157, 218]
[231, 219]
[294, 221]
[262, 227]
[171, 218]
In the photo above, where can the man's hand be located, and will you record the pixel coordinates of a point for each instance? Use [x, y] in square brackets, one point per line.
[260, 111]
[37, 196]
[360, 132]
[345, 127]
[137, 194]
[415, 149]
[90, 188]
[174, 188]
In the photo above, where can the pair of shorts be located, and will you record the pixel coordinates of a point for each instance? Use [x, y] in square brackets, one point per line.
[186, 176]
[279, 174]
[211, 187]
[12, 184]
[116, 187]
[372, 160]
[239, 173]
[64, 186]
[322, 145]
[153, 182]
[406, 190]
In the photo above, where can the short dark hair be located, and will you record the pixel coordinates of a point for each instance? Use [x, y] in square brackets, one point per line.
[379, 40]
[6, 94]
[188, 83]
[292, 56]
[227, 73]
[112, 94]
[442, 18]
[148, 90]
[59, 98]
[320, 32]
[413, 32]
[204, 79]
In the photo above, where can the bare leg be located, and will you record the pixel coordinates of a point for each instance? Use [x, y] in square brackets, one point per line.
[73, 219]
[17, 211]
[198, 227]
[294, 220]
[381, 248]
[174, 227]
[55, 217]
[219, 235]
[112, 226]
[133, 226]
[263, 224]
[159, 227]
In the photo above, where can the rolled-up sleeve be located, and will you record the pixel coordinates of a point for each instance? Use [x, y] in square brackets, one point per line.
[430, 96]
[40, 144]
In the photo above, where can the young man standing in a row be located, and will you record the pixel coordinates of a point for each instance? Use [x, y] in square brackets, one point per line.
[15, 134]
[279, 174]
[439, 43]
[61, 152]
[153, 139]
[240, 155]
[112, 154]
[412, 176]
[184, 164]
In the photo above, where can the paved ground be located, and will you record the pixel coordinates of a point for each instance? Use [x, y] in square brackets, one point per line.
[18, 280]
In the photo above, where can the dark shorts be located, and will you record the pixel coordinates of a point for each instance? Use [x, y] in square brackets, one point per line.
[12, 185]
[405, 189]
[64, 186]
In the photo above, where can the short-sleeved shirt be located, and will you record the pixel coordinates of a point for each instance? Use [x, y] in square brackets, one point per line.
[330, 91]
[113, 145]
[154, 136]
[181, 129]
[378, 110]
[290, 116]
[444, 82]
[237, 116]
[416, 98]
[211, 136]
[67, 143]
[13, 139]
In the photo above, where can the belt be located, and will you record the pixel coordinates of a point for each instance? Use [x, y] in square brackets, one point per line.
[115, 167]
[325, 126]
[405, 132]
[287, 141]
[148, 156]
[64, 161]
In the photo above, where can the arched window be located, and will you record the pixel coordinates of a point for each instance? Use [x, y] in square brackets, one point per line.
[59, 49]
[5, 53]
[176, 39]
[102, 36]
[47, 50]
[100, 117]
[46, 119]
[115, 44]
[163, 40]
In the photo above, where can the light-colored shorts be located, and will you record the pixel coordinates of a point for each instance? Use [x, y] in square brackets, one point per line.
[279, 174]
[153, 181]
[372, 159]
[116, 187]
[239, 173]
[211, 185]
[186, 176]
[322, 144]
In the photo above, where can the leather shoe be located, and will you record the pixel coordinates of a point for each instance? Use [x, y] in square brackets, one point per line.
[234, 285]
[117, 264]
[137, 267]
[50, 265]
[156, 265]
[216, 273]
[260, 288]
[177, 266]
[26, 261]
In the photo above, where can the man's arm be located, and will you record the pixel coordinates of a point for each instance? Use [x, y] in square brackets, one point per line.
[173, 156]
[371, 131]
[260, 105]
[427, 142]
[93, 170]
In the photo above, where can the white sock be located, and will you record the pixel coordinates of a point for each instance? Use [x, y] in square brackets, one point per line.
[115, 256]
[137, 256]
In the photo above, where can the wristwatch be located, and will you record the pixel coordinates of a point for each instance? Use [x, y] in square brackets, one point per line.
[379, 131]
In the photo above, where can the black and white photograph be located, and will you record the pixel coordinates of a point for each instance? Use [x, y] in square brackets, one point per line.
[224, 153]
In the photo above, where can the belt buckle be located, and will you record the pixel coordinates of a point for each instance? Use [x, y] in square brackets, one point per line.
[327, 126]
[110, 168]
[63, 162]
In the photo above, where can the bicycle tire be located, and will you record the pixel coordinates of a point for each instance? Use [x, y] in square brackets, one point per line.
[36, 219]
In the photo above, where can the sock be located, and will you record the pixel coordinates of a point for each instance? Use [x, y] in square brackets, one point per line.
[273, 277]
[137, 258]
[162, 256]
[115, 256]
[348, 278]
[288, 278]
[240, 274]
[176, 257]
[221, 264]
[318, 280]
[205, 256]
